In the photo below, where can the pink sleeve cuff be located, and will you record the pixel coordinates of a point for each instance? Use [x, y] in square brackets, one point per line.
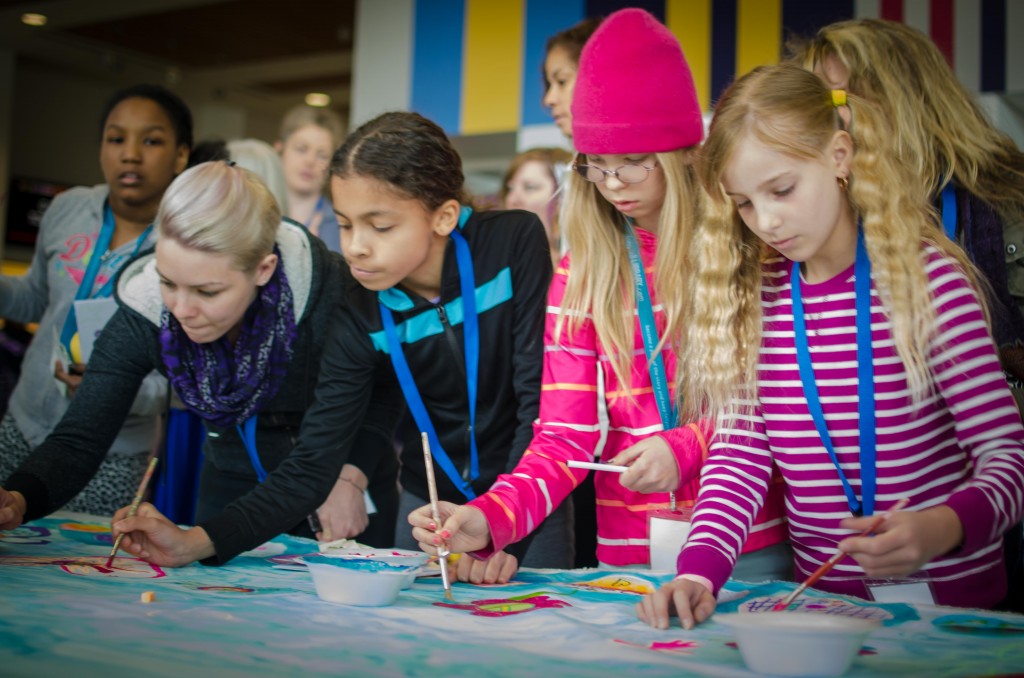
[501, 529]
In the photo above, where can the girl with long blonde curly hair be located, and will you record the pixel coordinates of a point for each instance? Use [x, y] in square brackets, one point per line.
[840, 335]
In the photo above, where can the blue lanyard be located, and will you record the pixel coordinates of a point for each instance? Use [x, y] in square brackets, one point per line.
[949, 211]
[865, 380]
[85, 290]
[471, 341]
[649, 330]
[316, 210]
[247, 430]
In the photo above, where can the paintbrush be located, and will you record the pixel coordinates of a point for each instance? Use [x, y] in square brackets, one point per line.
[831, 562]
[134, 508]
[597, 466]
[442, 553]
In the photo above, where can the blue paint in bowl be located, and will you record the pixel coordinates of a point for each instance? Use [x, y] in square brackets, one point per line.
[361, 564]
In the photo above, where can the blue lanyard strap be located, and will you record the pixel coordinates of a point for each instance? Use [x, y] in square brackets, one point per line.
[471, 340]
[949, 211]
[85, 290]
[316, 210]
[649, 330]
[247, 431]
[865, 380]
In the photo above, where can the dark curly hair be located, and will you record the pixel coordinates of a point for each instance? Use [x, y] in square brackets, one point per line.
[176, 109]
[408, 152]
[571, 40]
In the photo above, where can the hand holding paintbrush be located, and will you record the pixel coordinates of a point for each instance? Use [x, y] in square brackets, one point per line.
[442, 551]
[134, 508]
[831, 562]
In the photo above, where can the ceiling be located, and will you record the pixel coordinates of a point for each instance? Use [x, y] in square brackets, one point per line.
[261, 55]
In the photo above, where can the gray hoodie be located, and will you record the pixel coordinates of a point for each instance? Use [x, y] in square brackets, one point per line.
[44, 295]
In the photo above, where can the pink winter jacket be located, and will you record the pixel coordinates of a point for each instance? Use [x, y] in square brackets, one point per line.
[568, 428]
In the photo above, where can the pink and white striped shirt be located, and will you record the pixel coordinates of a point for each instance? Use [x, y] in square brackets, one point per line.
[568, 428]
[963, 446]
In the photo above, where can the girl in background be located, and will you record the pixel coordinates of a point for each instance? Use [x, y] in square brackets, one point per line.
[307, 139]
[532, 183]
[973, 172]
[86, 236]
[633, 205]
[842, 341]
[561, 63]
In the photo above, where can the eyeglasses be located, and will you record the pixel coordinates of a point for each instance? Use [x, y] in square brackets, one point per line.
[630, 173]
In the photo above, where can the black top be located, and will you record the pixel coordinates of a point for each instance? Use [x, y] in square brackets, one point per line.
[299, 479]
[512, 268]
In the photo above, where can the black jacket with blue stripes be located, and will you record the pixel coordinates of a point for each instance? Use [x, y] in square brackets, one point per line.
[512, 270]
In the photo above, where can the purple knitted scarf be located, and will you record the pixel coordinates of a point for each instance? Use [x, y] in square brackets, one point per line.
[224, 383]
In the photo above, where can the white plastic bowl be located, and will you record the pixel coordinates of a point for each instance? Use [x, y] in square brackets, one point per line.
[797, 643]
[361, 582]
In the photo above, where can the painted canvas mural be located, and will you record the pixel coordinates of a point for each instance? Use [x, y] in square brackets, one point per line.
[61, 611]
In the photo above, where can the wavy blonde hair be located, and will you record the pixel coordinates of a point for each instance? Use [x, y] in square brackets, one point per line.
[937, 124]
[790, 110]
[600, 279]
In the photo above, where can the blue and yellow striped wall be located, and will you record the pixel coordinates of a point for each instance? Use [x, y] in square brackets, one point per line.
[476, 66]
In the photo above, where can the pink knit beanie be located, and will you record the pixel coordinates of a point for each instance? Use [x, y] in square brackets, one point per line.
[634, 90]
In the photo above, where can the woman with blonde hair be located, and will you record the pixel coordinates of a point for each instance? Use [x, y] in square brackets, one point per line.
[841, 341]
[232, 307]
[306, 141]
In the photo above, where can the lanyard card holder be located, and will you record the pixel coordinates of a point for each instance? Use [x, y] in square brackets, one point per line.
[913, 590]
[668, 529]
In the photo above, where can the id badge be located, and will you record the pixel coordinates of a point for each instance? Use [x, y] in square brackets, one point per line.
[59, 354]
[913, 591]
[668, 532]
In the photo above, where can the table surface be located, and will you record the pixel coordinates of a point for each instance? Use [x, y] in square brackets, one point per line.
[62, 611]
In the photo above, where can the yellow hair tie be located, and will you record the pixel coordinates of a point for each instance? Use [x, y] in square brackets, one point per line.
[838, 97]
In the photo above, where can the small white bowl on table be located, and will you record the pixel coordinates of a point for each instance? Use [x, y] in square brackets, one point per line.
[358, 581]
[797, 643]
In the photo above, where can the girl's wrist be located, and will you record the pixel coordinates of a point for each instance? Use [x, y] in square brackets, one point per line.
[20, 505]
[354, 475]
[198, 545]
[352, 482]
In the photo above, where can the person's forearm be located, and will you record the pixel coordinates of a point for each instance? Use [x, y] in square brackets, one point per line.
[12, 512]
[198, 545]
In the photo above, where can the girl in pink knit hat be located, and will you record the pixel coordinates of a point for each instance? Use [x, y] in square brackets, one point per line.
[841, 341]
[633, 204]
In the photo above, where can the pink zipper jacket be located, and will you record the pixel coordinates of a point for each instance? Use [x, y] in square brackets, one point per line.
[568, 429]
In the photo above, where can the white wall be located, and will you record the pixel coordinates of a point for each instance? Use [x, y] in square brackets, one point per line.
[381, 59]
